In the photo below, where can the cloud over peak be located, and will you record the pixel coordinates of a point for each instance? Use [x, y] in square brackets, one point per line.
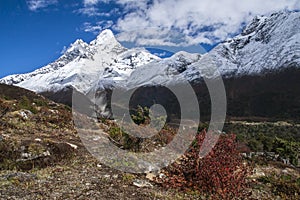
[188, 22]
[35, 5]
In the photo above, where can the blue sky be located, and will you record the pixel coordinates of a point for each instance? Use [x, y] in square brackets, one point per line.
[33, 33]
[31, 39]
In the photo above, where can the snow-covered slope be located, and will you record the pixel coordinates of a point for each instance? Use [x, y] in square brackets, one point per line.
[266, 44]
[77, 49]
[84, 64]
[164, 71]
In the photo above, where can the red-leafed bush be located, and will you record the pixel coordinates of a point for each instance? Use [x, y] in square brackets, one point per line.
[221, 174]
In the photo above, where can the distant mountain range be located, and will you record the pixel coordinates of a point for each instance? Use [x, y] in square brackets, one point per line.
[267, 48]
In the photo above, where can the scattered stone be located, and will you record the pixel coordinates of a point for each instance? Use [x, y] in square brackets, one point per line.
[257, 173]
[97, 138]
[29, 156]
[115, 176]
[107, 176]
[150, 176]
[25, 114]
[53, 111]
[161, 175]
[141, 183]
[72, 145]
[20, 176]
[285, 171]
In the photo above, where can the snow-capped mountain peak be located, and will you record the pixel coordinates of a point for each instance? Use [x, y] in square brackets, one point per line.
[83, 64]
[78, 45]
[267, 43]
[77, 49]
[254, 25]
[105, 38]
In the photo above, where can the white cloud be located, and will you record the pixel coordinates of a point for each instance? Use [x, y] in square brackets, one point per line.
[34, 5]
[160, 54]
[91, 9]
[98, 27]
[90, 2]
[188, 22]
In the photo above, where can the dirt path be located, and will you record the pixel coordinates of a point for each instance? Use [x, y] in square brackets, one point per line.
[82, 177]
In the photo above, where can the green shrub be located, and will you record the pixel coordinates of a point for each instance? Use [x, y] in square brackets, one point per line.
[141, 115]
[41, 102]
[287, 149]
[123, 139]
[26, 104]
